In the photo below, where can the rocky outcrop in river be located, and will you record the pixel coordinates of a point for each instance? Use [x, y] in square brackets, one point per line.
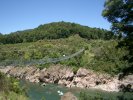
[68, 96]
[83, 78]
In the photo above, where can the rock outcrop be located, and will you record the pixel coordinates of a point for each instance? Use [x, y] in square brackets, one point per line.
[68, 96]
[84, 78]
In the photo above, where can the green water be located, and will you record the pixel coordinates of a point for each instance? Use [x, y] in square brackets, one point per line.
[49, 92]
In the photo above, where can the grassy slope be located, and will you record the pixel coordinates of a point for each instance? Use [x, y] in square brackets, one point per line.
[99, 55]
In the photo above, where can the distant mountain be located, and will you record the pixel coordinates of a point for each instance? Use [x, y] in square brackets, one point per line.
[55, 30]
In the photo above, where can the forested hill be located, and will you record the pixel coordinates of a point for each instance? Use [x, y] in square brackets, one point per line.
[55, 30]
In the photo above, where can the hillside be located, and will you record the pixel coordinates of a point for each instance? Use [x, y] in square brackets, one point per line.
[99, 55]
[47, 43]
[55, 30]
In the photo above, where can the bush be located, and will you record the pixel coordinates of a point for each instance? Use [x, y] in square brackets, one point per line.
[10, 88]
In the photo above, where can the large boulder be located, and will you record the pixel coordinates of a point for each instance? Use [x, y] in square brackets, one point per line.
[55, 73]
[82, 72]
[80, 85]
[35, 76]
[50, 75]
[110, 86]
[6, 69]
[42, 75]
[64, 82]
[68, 96]
[67, 74]
[128, 79]
[84, 82]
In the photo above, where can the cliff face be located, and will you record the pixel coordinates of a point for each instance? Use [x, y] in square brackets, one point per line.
[84, 78]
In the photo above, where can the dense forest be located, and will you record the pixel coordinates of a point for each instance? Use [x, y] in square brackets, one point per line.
[56, 30]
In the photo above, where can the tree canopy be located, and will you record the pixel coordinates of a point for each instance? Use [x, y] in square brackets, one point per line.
[55, 30]
[120, 14]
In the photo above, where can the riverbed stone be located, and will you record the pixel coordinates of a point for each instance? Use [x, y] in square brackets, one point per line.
[5, 69]
[68, 96]
[82, 72]
[64, 82]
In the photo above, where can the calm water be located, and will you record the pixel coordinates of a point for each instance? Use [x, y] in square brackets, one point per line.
[49, 92]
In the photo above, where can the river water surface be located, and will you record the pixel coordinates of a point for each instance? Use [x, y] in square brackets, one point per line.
[50, 92]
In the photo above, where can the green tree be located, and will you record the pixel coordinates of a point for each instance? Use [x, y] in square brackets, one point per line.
[120, 14]
[1, 38]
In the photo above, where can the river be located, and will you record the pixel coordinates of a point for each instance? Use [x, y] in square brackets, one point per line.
[50, 92]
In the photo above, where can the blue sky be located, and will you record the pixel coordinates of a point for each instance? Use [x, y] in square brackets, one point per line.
[27, 14]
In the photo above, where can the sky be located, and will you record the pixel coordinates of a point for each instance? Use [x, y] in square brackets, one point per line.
[18, 15]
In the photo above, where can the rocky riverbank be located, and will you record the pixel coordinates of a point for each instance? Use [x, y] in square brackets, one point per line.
[83, 78]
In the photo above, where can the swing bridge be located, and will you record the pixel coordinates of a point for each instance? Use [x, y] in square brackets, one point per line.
[39, 61]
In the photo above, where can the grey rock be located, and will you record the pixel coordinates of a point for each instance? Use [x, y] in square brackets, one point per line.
[68, 96]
